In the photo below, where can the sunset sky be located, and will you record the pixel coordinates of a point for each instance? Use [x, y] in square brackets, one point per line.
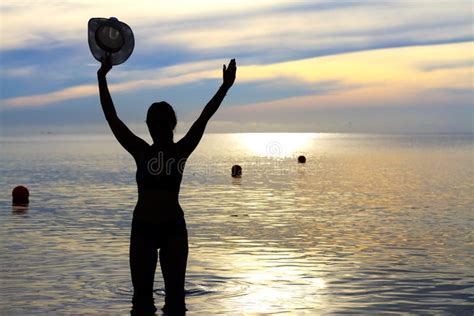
[306, 66]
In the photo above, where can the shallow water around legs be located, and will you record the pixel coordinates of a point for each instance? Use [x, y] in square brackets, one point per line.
[369, 224]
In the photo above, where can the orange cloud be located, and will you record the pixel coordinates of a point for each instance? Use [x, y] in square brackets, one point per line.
[378, 75]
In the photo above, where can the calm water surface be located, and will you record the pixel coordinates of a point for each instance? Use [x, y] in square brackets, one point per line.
[369, 224]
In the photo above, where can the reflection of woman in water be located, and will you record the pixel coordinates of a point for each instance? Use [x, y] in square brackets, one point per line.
[158, 219]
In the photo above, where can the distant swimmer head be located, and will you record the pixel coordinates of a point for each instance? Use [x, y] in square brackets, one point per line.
[20, 195]
[236, 171]
[161, 121]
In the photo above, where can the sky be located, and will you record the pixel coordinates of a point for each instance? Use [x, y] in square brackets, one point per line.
[303, 66]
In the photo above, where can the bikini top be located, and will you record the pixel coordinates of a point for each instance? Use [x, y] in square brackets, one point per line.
[160, 167]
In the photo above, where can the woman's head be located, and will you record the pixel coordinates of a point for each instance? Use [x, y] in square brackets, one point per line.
[161, 121]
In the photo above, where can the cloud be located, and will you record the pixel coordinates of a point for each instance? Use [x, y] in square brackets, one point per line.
[388, 73]
[292, 55]
[67, 20]
[53, 97]
[19, 72]
[262, 31]
[448, 65]
[309, 29]
[168, 77]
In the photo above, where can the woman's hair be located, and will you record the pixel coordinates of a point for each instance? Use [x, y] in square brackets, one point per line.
[161, 112]
[161, 121]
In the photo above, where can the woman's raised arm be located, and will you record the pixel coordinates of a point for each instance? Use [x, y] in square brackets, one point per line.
[132, 143]
[190, 141]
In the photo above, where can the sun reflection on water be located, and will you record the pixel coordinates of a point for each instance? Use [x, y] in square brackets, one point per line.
[276, 281]
[281, 289]
[276, 145]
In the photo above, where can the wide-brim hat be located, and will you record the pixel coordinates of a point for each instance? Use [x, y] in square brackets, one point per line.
[110, 36]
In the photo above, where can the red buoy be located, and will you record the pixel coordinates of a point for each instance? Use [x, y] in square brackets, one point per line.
[20, 195]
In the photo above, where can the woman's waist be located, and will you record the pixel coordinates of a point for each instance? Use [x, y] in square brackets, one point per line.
[142, 223]
[157, 196]
[157, 207]
[157, 216]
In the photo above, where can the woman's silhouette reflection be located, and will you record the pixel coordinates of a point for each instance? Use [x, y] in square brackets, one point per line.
[158, 219]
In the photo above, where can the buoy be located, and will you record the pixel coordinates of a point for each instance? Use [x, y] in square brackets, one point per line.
[301, 159]
[20, 195]
[236, 171]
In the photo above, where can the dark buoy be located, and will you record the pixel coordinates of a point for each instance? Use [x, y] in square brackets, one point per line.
[20, 195]
[236, 171]
[301, 159]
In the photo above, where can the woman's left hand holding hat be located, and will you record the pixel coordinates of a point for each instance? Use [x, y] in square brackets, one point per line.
[106, 65]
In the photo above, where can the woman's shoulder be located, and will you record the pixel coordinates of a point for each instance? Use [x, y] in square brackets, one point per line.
[144, 151]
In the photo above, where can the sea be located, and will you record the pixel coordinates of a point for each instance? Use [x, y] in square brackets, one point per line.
[370, 224]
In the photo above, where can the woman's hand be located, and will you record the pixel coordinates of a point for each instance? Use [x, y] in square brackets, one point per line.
[228, 74]
[105, 66]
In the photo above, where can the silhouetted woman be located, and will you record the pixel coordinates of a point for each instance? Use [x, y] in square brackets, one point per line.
[158, 219]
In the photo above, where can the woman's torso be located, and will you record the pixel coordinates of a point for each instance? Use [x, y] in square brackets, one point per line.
[159, 174]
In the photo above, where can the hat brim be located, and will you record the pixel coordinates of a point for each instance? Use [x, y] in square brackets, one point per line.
[98, 52]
